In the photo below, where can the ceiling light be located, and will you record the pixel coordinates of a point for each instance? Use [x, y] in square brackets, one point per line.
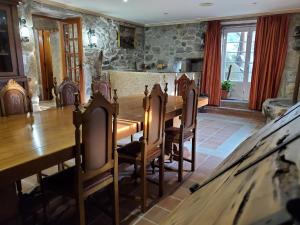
[125, 0]
[206, 4]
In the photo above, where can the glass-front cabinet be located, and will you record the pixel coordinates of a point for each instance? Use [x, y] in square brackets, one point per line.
[6, 65]
[11, 62]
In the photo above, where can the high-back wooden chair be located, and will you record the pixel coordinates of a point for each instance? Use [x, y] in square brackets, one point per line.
[102, 86]
[151, 145]
[14, 99]
[181, 84]
[96, 156]
[65, 92]
[187, 130]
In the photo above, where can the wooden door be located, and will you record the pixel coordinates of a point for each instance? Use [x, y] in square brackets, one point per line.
[72, 51]
[46, 64]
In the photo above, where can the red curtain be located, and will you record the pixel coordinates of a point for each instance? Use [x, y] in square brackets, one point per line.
[271, 43]
[211, 80]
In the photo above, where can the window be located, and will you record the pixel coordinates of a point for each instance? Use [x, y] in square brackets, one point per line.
[238, 52]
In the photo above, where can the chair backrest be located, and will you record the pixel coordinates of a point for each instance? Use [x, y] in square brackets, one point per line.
[102, 86]
[155, 108]
[181, 84]
[190, 106]
[14, 99]
[99, 128]
[65, 93]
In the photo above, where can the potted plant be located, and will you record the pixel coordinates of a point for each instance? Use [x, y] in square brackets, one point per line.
[226, 88]
[226, 85]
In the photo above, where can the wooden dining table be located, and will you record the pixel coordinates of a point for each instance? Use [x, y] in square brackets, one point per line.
[32, 143]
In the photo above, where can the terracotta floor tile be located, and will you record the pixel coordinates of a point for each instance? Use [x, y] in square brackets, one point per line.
[181, 193]
[169, 203]
[209, 144]
[145, 222]
[156, 214]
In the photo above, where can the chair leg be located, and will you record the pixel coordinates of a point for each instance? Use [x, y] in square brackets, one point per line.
[161, 174]
[80, 209]
[135, 173]
[153, 166]
[19, 187]
[193, 154]
[180, 161]
[116, 197]
[144, 187]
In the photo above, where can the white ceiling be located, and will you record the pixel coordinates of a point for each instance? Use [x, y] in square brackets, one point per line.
[151, 12]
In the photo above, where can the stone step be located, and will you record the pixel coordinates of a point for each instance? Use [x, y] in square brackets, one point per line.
[245, 113]
[231, 103]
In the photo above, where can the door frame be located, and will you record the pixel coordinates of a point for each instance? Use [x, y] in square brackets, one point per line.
[239, 28]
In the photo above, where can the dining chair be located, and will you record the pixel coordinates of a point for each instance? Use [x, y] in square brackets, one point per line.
[65, 92]
[151, 145]
[181, 84]
[96, 156]
[186, 131]
[14, 99]
[102, 86]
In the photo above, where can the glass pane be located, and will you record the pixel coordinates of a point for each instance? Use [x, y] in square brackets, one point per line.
[76, 46]
[234, 67]
[237, 57]
[236, 37]
[250, 72]
[236, 47]
[70, 31]
[77, 61]
[237, 76]
[5, 56]
[75, 30]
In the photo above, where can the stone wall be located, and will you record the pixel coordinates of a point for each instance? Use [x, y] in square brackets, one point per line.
[292, 61]
[106, 31]
[172, 44]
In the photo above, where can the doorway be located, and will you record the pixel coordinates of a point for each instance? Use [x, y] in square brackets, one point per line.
[237, 59]
[59, 52]
[45, 53]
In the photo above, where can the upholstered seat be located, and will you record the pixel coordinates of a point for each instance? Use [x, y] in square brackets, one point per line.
[65, 92]
[132, 151]
[150, 146]
[187, 129]
[95, 152]
[66, 177]
[175, 133]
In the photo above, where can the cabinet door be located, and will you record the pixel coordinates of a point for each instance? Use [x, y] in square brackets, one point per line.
[8, 66]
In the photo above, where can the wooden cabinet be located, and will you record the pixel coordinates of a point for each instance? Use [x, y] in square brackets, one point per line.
[11, 62]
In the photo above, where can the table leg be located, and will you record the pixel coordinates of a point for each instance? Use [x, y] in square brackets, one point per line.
[9, 206]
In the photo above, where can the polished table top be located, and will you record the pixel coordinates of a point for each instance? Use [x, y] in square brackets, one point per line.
[30, 143]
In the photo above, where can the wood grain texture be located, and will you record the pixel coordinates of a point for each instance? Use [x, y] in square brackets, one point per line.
[31, 143]
[259, 195]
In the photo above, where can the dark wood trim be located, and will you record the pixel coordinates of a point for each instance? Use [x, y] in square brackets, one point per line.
[35, 15]
[18, 46]
[297, 84]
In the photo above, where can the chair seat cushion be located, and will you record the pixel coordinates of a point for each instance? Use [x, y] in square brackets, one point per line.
[64, 181]
[174, 133]
[132, 149]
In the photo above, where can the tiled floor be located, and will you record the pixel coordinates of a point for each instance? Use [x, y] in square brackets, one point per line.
[217, 137]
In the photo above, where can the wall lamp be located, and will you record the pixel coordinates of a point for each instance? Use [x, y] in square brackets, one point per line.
[24, 31]
[92, 38]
